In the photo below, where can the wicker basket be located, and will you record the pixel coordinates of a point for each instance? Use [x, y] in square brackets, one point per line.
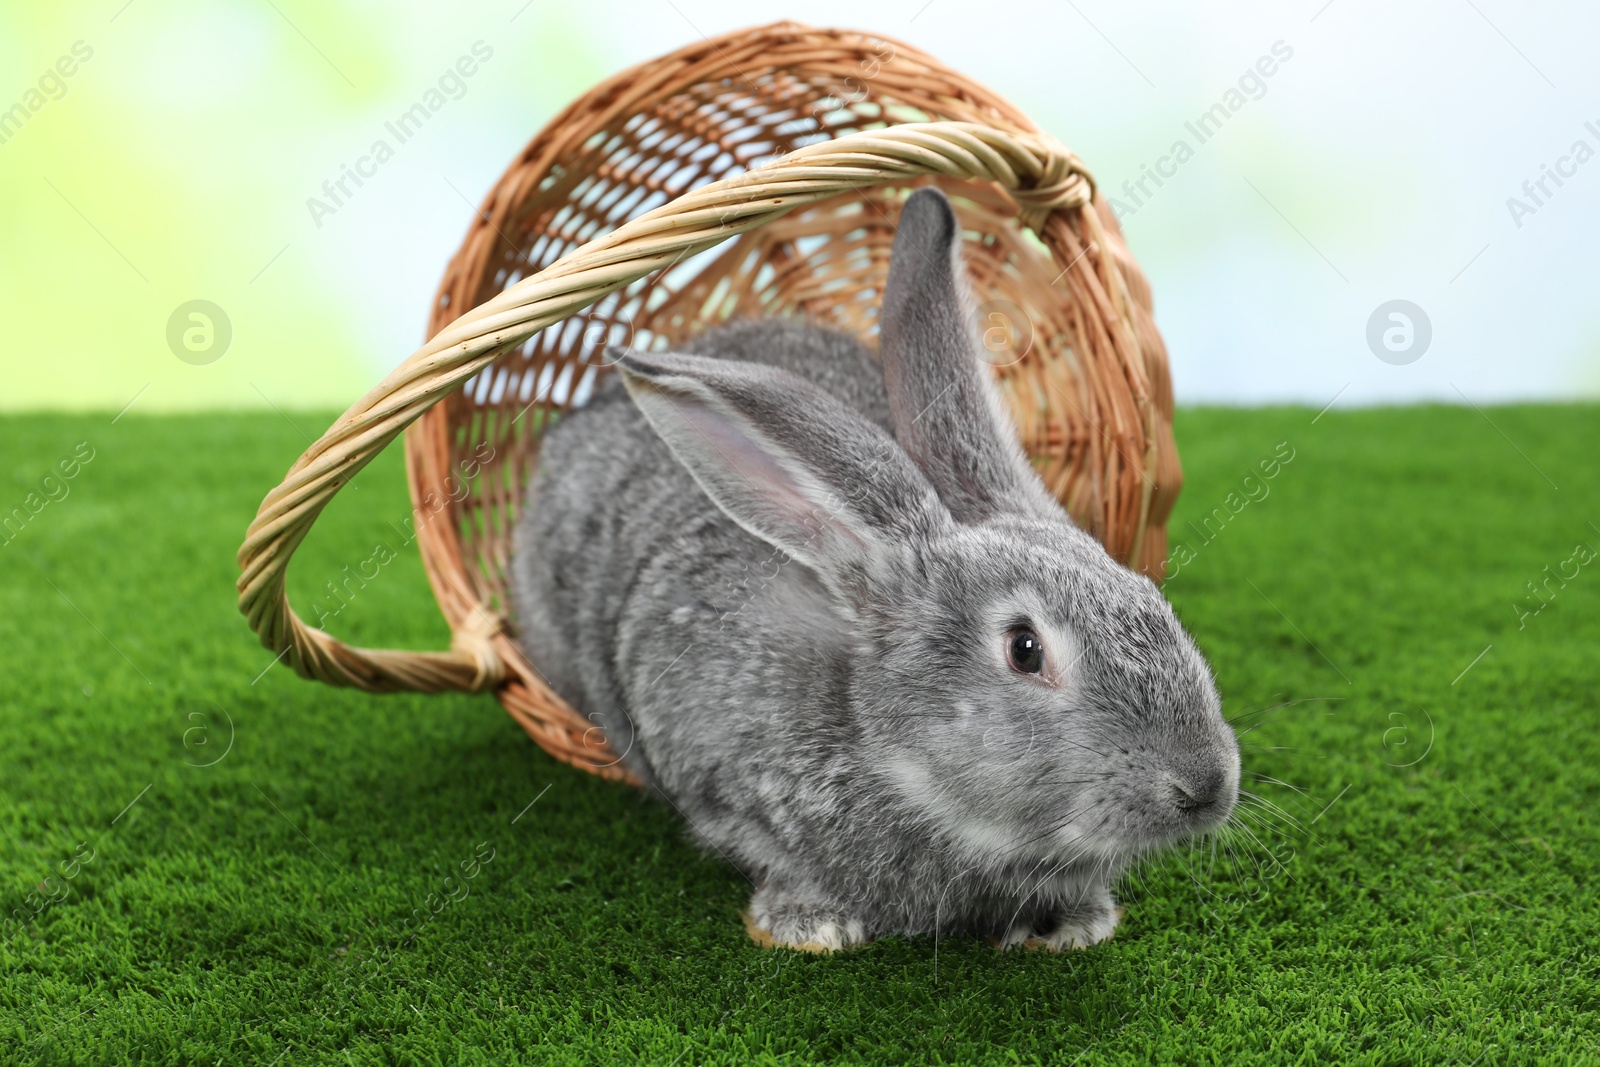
[756, 174]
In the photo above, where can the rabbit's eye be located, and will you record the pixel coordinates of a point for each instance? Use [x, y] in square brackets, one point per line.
[1025, 651]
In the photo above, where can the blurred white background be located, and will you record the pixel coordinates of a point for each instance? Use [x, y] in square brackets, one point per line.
[1375, 164]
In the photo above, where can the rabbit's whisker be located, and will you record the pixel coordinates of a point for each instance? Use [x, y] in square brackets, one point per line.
[1279, 707]
[1269, 780]
[1260, 803]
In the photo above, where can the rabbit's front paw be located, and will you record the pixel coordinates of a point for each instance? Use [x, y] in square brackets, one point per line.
[781, 919]
[1077, 925]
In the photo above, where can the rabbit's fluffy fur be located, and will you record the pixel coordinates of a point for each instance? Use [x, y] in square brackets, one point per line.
[788, 580]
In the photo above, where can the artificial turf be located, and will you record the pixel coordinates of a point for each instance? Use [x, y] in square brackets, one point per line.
[234, 853]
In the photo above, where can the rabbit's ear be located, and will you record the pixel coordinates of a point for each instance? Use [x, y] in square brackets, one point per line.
[944, 409]
[783, 459]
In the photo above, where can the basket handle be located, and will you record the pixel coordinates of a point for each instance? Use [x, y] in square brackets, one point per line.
[1039, 173]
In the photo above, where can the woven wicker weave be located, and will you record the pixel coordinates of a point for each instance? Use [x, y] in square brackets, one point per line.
[756, 174]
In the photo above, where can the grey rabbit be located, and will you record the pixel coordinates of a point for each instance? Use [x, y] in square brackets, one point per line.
[823, 605]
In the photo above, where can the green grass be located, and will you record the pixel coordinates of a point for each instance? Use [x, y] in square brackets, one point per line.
[252, 910]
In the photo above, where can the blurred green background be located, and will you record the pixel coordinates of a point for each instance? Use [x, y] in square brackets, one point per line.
[176, 165]
[177, 161]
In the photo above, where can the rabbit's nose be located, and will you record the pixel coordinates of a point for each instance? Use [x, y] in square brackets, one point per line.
[1197, 792]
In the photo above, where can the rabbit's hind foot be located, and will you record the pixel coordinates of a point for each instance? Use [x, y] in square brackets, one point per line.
[779, 918]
